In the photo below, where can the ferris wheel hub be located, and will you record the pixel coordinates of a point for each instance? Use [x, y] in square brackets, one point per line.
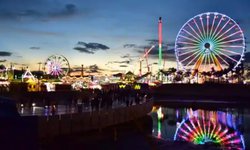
[207, 45]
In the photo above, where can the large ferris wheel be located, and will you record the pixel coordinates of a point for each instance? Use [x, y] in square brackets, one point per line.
[209, 40]
[57, 65]
[219, 128]
[201, 131]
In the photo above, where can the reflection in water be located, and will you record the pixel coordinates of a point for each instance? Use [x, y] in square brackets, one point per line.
[218, 128]
[160, 115]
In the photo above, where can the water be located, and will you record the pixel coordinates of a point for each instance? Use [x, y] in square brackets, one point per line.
[226, 128]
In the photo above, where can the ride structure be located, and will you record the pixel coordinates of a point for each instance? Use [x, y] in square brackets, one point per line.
[219, 128]
[160, 64]
[160, 43]
[210, 40]
[28, 76]
[145, 56]
[57, 66]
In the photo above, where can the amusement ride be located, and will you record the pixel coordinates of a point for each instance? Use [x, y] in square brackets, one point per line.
[210, 40]
[57, 65]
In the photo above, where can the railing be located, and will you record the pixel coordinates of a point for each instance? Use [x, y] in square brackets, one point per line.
[55, 125]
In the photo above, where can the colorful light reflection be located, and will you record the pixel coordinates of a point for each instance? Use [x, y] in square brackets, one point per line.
[160, 115]
[205, 128]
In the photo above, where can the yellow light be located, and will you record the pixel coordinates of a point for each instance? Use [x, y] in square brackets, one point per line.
[137, 87]
[159, 113]
[122, 86]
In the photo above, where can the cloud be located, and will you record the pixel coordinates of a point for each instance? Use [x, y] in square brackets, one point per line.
[3, 53]
[155, 51]
[125, 56]
[170, 43]
[83, 50]
[36, 32]
[116, 70]
[90, 48]
[19, 15]
[152, 41]
[129, 46]
[155, 42]
[88, 69]
[78, 68]
[128, 57]
[123, 66]
[168, 49]
[34, 48]
[168, 54]
[38, 12]
[19, 56]
[68, 10]
[93, 46]
[119, 62]
[3, 60]
[94, 68]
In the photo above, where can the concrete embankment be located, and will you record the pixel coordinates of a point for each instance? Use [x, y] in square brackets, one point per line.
[79, 122]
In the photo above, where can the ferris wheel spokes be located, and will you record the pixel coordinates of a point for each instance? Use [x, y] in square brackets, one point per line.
[198, 62]
[231, 52]
[198, 52]
[216, 38]
[227, 56]
[57, 65]
[194, 57]
[192, 35]
[189, 39]
[209, 39]
[194, 31]
[212, 27]
[215, 31]
[202, 25]
[198, 29]
[219, 40]
[208, 18]
[194, 44]
[185, 48]
[219, 32]
[187, 52]
[221, 58]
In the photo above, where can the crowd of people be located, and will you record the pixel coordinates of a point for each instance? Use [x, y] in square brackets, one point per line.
[97, 99]
[60, 102]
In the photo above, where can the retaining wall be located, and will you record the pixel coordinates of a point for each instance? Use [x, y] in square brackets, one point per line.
[51, 126]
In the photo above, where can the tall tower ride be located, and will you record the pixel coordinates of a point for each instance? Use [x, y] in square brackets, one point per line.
[160, 43]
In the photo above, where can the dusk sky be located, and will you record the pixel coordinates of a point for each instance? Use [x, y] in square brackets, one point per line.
[109, 33]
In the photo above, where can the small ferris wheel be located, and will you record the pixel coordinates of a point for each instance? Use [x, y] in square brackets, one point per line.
[57, 65]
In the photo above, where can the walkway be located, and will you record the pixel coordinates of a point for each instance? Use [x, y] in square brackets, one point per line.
[69, 109]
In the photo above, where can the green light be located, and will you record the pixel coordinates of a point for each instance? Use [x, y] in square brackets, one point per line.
[160, 57]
